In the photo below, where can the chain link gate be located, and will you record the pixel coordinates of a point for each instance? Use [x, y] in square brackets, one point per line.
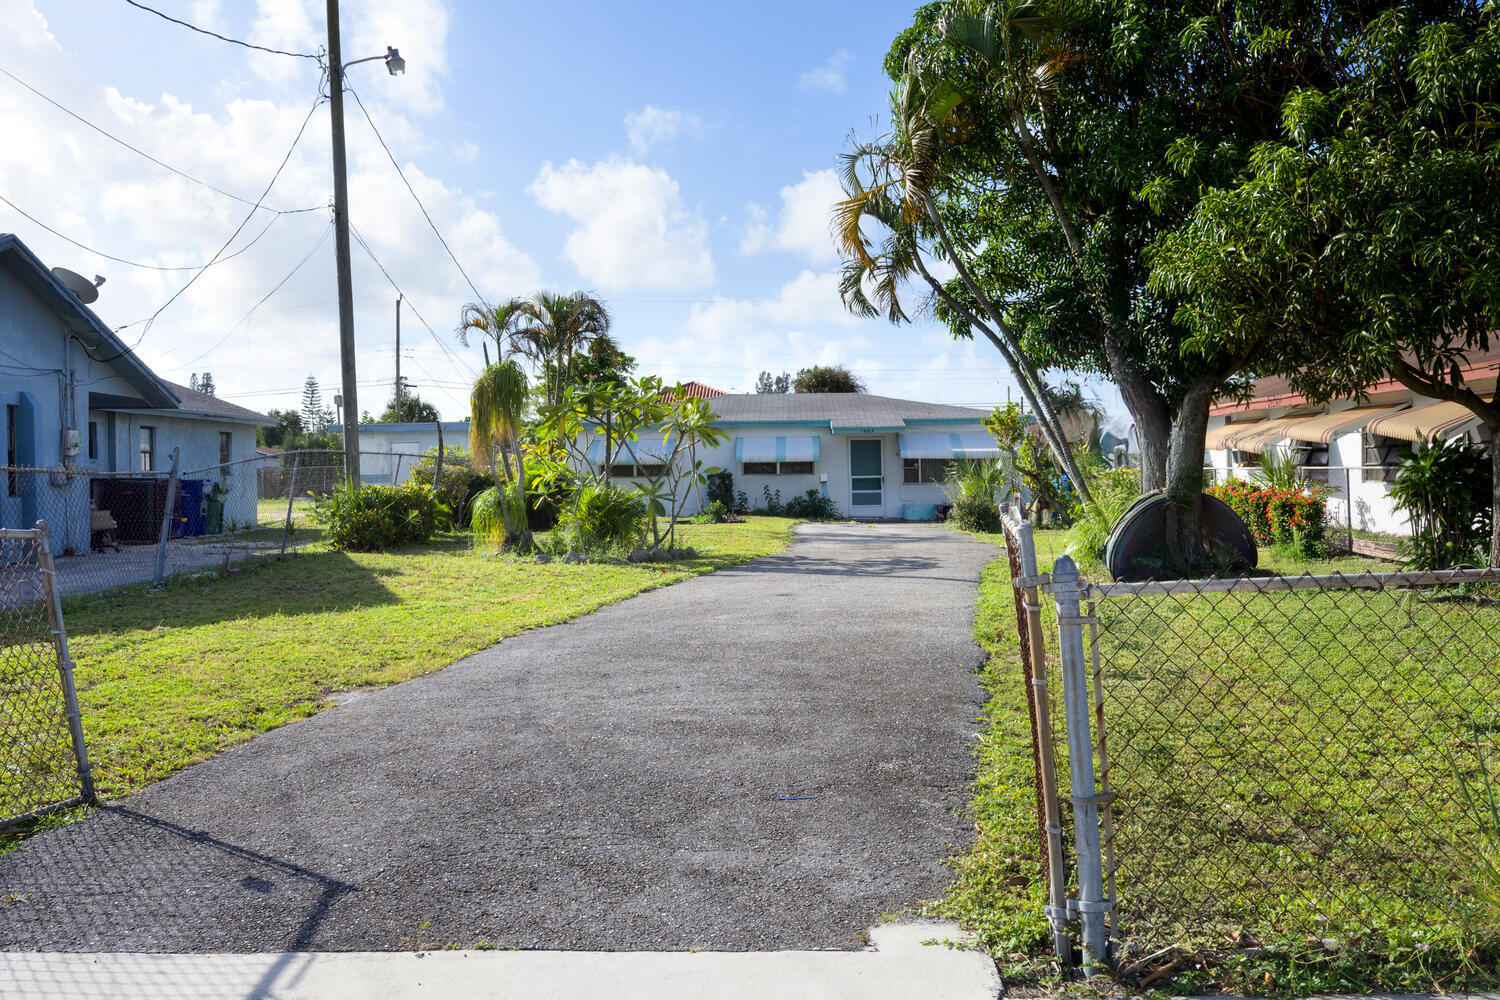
[1287, 758]
[44, 765]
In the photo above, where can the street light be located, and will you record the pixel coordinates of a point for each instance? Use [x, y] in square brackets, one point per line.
[394, 64]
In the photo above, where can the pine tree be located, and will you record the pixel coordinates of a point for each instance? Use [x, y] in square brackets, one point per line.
[315, 417]
[202, 383]
[773, 383]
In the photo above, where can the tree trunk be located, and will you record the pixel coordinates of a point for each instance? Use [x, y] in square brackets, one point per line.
[1186, 552]
[523, 534]
[1494, 492]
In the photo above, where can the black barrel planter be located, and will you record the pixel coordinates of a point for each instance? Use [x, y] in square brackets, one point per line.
[1137, 547]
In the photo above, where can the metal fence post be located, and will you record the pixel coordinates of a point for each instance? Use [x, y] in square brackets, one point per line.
[1348, 509]
[1041, 700]
[64, 663]
[1092, 906]
[166, 520]
[291, 495]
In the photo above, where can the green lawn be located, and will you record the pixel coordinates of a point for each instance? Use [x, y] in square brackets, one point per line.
[1285, 773]
[170, 677]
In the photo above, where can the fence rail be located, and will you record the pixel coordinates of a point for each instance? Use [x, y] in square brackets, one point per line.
[1260, 760]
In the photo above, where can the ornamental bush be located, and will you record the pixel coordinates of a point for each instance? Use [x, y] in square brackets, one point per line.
[1278, 516]
[376, 518]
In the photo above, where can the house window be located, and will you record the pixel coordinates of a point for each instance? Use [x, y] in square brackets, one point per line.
[13, 485]
[1311, 461]
[1382, 456]
[148, 449]
[777, 468]
[225, 441]
[924, 470]
[624, 471]
[649, 471]
[93, 439]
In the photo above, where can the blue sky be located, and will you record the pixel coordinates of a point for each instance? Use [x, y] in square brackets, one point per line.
[673, 158]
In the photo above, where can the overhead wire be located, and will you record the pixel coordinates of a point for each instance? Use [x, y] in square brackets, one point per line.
[232, 236]
[223, 38]
[142, 153]
[452, 355]
[413, 191]
[132, 263]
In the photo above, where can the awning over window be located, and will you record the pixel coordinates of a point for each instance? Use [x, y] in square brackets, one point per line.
[1255, 437]
[1218, 436]
[949, 446]
[1432, 422]
[648, 449]
[1324, 427]
[776, 449]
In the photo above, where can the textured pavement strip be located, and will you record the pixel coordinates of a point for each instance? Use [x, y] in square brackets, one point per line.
[897, 967]
[765, 758]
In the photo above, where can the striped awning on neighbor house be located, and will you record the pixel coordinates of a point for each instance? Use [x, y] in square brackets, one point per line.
[1325, 426]
[1432, 422]
[949, 446]
[776, 449]
[1254, 437]
[1218, 437]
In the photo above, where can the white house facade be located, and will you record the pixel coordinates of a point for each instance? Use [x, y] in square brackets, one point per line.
[873, 456]
[1355, 446]
[387, 452]
[78, 402]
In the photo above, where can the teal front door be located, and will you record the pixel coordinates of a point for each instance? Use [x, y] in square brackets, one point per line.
[866, 483]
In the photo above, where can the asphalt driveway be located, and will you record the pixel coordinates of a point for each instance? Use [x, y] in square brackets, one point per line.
[767, 757]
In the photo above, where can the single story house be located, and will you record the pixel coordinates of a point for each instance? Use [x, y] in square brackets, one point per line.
[873, 456]
[1353, 445]
[386, 450]
[79, 403]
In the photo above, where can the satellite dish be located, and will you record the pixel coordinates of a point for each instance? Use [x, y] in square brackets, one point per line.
[86, 290]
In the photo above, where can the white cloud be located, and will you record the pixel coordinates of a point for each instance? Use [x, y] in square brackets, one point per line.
[804, 223]
[653, 126]
[632, 230]
[829, 78]
[80, 183]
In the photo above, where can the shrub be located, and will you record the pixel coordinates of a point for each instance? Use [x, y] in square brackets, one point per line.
[605, 517]
[721, 489]
[741, 502]
[773, 505]
[975, 512]
[376, 518]
[1114, 491]
[1277, 516]
[811, 506]
[461, 481]
[1445, 491]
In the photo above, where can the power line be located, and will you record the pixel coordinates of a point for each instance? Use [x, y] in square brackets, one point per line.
[254, 208]
[122, 260]
[215, 34]
[141, 152]
[425, 215]
[323, 238]
[452, 356]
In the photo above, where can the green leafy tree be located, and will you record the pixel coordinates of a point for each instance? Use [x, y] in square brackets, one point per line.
[768, 383]
[827, 378]
[414, 409]
[1362, 242]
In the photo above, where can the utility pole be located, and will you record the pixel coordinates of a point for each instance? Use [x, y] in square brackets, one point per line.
[341, 247]
[398, 358]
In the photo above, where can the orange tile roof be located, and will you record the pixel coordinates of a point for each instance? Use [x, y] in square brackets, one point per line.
[695, 390]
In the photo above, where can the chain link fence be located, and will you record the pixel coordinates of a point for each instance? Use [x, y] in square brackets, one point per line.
[43, 764]
[1252, 762]
[113, 529]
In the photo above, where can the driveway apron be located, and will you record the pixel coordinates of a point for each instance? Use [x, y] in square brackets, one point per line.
[771, 756]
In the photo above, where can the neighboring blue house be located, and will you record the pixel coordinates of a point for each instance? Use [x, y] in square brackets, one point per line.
[386, 450]
[77, 401]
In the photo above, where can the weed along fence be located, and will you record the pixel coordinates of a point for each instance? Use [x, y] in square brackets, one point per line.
[112, 529]
[1260, 763]
[43, 763]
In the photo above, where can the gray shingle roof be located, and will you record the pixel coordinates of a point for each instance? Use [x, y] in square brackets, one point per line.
[842, 409]
[212, 406]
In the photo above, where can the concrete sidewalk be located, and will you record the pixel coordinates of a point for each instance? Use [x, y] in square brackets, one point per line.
[898, 966]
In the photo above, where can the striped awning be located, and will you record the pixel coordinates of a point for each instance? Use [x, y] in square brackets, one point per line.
[648, 449]
[1325, 426]
[1257, 436]
[776, 449]
[949, 446]
[1432, 422]
[1218, 437]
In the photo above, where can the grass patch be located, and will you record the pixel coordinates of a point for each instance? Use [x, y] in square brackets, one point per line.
[167, 678]
[1306, 741]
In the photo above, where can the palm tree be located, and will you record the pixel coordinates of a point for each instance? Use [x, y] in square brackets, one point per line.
[497, 412]
[549, 329]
